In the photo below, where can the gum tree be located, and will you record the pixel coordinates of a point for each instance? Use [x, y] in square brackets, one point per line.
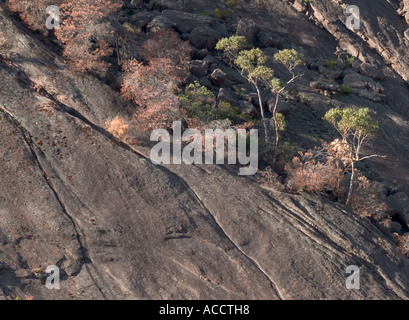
[291, 59]
[251, 65]
[356, 128]
[231, 47]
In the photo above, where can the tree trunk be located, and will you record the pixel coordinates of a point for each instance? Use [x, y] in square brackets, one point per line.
[260, 101]
[276, 129]
[351, 184]
[275, 120]
[262, 112]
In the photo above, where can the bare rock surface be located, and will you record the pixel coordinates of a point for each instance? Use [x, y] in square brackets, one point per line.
[185, 21]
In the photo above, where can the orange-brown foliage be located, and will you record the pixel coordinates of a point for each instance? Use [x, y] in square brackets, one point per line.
[32, 12]
[85, 28]
[269, 178]
[167, 45]
[154, 85]
[403, 243]
[87, 33]
[315, 170]
[118, 127]
[368, 200]
[323, 170]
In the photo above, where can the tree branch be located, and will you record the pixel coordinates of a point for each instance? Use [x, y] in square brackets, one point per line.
[372, 156]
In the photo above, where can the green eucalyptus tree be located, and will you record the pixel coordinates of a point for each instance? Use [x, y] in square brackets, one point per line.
[251, 65]
[356, 128]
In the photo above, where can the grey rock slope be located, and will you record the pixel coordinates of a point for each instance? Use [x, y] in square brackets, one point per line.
[120, 227]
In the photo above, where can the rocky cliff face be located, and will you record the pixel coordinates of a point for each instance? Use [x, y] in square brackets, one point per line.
[120, 227]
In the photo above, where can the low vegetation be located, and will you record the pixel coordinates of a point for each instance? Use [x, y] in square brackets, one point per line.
[330, 63]
[346, 89]
[201, 103]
